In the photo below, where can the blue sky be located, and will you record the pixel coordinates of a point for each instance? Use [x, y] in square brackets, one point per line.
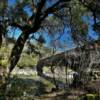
[66, 37]
[11, 2]
[91, 33]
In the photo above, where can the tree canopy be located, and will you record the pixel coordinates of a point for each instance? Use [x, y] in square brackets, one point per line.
[52, 17]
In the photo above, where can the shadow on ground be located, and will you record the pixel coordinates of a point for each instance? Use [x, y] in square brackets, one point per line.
[26, 87]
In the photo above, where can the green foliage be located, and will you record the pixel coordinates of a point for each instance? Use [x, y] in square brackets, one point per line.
[89, 97]
[77, 11]
[3, 63]
[4, 54]
[27, 61]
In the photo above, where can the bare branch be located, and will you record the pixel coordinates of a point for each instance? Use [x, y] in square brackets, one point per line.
[55, 7]
[16, 25]
[39, 8]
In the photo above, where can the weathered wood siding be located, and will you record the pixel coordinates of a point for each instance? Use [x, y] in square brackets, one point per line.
[78, 59]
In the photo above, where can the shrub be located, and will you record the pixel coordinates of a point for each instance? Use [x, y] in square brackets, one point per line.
[26, 61]
[89, 97]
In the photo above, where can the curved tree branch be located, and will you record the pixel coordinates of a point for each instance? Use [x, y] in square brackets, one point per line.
[55, 7]
[19, 45]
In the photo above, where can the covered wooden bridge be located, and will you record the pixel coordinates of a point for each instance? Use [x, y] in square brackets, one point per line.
[80, 59]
